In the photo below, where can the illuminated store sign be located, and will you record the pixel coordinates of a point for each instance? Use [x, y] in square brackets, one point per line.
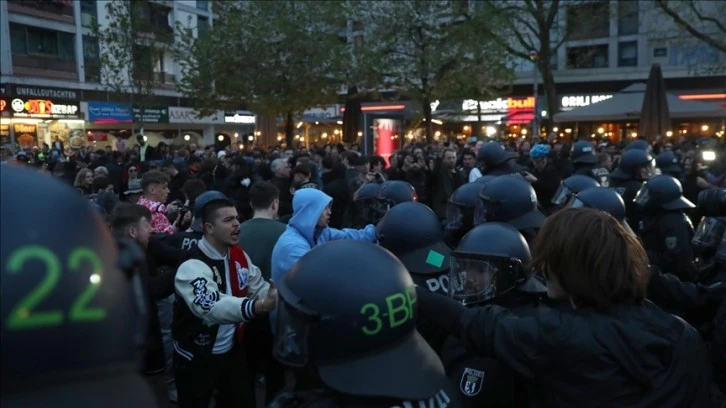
[44, 109]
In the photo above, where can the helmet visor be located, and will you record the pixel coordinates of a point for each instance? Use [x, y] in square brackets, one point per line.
[575, 202]
[293, 328]
[562, 195]
[478, 279]
[481, 210]
[709, 232]
[368, 211]
[454, 217]
[643, 197]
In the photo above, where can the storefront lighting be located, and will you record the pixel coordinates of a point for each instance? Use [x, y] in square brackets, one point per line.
[335, 132]
[297, 136]
[279, 138]
[568, 130]
[250, 138]
[592, 135]
[236, 135]
[555, 129]
[258, 133]
[324, 135]
[634, 135]
[299, 124]
[544, 113]
[436, 121]
[708, 155]
[466, 128]
[669, 133]
[340, 122]
[317, 123]
[360, 133]
[410, 135]
[437, 134]
[491, 131]
[524, 131]
[704, 128]
[220, 138]
[600, 130]
[302, 138]
[187, 137]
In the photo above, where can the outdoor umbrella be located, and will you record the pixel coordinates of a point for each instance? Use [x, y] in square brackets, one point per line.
[352, 115]
[655, 119]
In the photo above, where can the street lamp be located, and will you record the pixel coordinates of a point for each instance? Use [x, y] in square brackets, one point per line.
[534, 56]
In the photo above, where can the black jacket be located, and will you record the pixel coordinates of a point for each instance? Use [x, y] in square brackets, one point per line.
[632, 356]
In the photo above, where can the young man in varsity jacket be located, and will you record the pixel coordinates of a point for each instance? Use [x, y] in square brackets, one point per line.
[218, 290]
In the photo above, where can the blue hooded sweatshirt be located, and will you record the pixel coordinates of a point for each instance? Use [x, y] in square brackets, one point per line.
[302, 233]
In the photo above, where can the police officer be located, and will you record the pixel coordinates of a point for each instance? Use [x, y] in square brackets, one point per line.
[635, 167]
[511, 200]
[569, 187]
[667, 162]
[363, 210]
[490, 266]
[355, 332]
[73, 303]
[666, 231]
[412, 232]
[392, 193]
[706, 241]
[460, 211]
[496, 161]
[638, 144]
[604, 199]
[586, 162]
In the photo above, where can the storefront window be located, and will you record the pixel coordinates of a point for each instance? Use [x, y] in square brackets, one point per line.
[628, 54]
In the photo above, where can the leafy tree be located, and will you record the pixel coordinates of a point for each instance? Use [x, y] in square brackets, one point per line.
[427, 47]
[704, 20]
[275, 58]
[132, 42]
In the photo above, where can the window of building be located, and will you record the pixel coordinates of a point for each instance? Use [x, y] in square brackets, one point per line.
[152, 17]
[588, 20]
[91, 59]
[143, 63]
[627, 17]
[660, 52]
[89, 12]
[33, 41]
[628, 54]
[203, 5]
[587, 57]
[553, 62]
[202, 26]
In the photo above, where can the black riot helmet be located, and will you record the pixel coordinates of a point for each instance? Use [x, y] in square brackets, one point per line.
[708, 235]
[662, 193]
[365, 200]
[461, 206]
[356, 324]
[485, 179]
[491, 260]
[73, 307]
[570, 186]
[667, 162]
[635, 164]
[638, 144]
[394, 192]
[583, 152]
[412, 232]
[509, 199]
[492, 154]
[603, 199]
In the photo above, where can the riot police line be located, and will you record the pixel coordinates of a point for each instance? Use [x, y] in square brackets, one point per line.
[361, 334]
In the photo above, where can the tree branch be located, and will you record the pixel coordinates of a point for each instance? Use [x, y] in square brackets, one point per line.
[689, 27]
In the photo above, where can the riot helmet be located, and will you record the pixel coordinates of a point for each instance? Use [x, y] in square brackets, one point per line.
[667, 162]
[412, 232]
[365, 201]
[570, 186]
[394, 192]
[330, 320]
[638, 144]
[583, 152]
[662, 192]
[493, 154]
[73, 301]
[635, 164]
[492, 259]
[708, 235]
[509, 199]
[485, 179]
[461, 206]
[603, 199]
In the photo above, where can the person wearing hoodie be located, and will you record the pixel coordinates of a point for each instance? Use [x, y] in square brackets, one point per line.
[595, 344]
[308, 228]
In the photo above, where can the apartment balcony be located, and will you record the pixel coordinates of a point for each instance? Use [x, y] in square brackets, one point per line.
[34, 66]
[165, 80]
[56, 10]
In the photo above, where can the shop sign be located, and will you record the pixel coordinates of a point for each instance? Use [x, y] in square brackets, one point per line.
[244, 118]
[316, 114]
[4, 134]
[111, 112]
[570, 102]
[3, 105]
[189, 115]
[41, 92]
[25, 135]
[499, 105]
[44, 109]
[151, 114]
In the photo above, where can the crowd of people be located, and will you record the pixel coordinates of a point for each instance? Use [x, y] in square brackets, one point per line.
[522, 273]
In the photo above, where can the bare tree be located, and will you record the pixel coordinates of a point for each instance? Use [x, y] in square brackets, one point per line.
[704, 20]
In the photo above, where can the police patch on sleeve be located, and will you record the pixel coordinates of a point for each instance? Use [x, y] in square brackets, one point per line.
[202, 297]
[471, 382]
[671, 242]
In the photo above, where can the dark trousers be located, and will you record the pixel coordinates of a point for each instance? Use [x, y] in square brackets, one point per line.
[258, 343]
[227, 374]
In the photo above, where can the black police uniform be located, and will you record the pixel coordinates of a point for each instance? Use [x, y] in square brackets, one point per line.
[569, 187]
[358, 339]
[585, 162]
[496, 161]
[482, 380]
[411, 231]
[460, 211]
[73, 301]
[626, 180]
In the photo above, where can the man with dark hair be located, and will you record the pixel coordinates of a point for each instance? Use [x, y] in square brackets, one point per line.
[218, 290]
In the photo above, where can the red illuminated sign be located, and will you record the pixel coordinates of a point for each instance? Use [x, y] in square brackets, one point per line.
[3, 105]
